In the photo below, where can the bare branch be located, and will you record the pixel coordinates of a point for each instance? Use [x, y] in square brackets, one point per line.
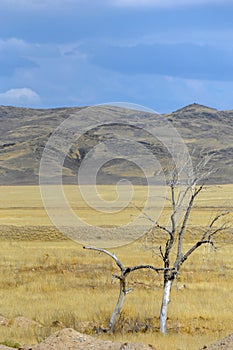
[113, 256]
[215, 219]
[173, 209]
[197, 190]
[182, 195]
[142, 212]
[163, 228]
[185, 167]
[185, 220]
[205, 239]
[201, 171]
[219, 229]
[117, 277]
[151, 267]
[125, 271]
[161, 252]
[129, 290]
[192, 249]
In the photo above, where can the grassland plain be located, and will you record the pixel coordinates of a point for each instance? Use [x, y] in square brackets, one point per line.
[53, 281]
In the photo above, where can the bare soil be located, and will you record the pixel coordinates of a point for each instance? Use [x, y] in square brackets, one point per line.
[224, 344]
[69, 339]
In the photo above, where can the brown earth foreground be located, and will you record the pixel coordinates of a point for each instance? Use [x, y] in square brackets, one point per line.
[224, 344]
[69, 339]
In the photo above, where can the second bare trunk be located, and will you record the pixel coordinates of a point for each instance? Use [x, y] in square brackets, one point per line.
[164, 306]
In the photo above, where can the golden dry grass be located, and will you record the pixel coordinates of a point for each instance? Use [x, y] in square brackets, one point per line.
[23, 206]
[59, 281]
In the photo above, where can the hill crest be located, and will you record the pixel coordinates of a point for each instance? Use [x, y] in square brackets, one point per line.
[24, 133]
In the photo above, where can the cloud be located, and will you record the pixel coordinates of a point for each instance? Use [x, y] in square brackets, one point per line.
[14, 54]
[25, 48]
[183, 60]
[167, 3]
[36, 5]
[20, 97]
[20, 55]
[9, 64]
[55, 4]
[12, 43]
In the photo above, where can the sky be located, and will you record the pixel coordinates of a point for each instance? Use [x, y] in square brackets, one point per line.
[161, 54]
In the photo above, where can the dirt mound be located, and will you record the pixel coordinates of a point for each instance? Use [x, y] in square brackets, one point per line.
[19, 321]
[24, 322]
[69, 339]
[223, 344]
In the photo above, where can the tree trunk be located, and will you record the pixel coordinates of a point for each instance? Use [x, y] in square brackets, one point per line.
[118, 307]
[164, 306]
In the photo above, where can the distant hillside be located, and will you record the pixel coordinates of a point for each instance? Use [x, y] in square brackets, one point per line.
[24, 133]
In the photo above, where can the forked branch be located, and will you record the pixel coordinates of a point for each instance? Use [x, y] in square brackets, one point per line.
[207, 236]
[122, 282]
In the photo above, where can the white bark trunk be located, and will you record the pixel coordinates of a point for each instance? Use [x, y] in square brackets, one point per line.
[164, 307]
[117, 310]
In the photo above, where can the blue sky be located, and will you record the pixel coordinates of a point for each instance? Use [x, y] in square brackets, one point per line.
[163, 54]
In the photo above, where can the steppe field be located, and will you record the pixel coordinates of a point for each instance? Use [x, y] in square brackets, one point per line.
[48, 282]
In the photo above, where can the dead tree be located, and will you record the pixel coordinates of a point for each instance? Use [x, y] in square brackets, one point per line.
[123, 291]
[173, 253]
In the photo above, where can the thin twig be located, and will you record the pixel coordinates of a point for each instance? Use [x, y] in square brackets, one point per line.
[113, 256]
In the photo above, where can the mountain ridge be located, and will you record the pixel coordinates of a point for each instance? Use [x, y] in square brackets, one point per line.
[25, 131]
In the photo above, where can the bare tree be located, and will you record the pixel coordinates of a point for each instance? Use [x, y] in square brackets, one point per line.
[123, 291]
[183, 193]
[173, 254]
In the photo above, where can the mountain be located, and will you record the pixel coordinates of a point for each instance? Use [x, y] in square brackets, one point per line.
[24, 133]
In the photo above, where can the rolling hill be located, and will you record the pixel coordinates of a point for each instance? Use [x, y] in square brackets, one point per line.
[24, 133]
